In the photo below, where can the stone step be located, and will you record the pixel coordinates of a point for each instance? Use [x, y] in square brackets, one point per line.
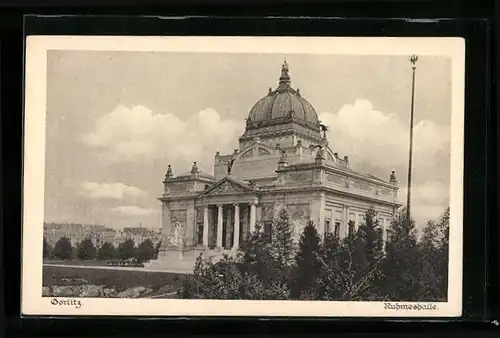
[186, 266]
[173, 261]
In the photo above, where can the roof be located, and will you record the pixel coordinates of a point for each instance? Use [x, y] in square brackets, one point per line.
[375, 177]
[201, 174]
[284, 102]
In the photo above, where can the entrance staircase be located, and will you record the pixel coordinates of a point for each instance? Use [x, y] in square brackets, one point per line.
[177, 261]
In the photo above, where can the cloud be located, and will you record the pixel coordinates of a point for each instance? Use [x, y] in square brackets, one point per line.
[378, 142]
[375, 141]
[434, 192]
[138, 133]
[428, 200]
[132, 210]
[375, 136]
[114, 190]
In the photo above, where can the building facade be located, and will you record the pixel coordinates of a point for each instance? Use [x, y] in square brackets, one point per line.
[76, 232]
[138, 235]
[283, 161]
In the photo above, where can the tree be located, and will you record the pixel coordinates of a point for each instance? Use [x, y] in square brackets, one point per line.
[126, 249]
[443, 253]
[428, 275]
[346, 274]
[106, 252]
[308, 266]
[63, 249]
[402, 264]
[371, 234]
[252, 274]
[257, 258]
[434, 252]
[47, 248]
[282, 239]
[214, 281]
[348, 271]
[86, 250]
[369, 255]
[157, 250]
[327, 286]
[145, 251]
[228, 280]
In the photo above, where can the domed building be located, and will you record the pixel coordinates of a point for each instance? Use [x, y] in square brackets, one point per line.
[283, 161]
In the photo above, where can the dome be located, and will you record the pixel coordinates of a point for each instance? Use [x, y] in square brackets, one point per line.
[282, 104]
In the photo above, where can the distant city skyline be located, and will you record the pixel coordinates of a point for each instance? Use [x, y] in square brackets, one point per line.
[96, 225]
[99, 234]
[115, 120]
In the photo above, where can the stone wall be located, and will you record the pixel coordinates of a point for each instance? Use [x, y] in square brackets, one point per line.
[94, 291]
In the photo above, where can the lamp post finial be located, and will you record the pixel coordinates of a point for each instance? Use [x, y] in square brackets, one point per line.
[413, 60]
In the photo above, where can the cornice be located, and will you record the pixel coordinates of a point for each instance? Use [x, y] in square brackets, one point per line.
[281, 191]
[187, 179]
[326, 189]
[289, 126]
[297, 167]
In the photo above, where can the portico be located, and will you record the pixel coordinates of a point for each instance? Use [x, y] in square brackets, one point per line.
[225, 225]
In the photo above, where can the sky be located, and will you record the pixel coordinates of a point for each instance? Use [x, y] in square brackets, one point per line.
[115, 120]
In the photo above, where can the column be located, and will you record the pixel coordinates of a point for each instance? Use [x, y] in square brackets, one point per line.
[166, 224]
[189, 231]
[205, 226]
[219, 226]
[322, 211]
[236, 233]
[384, 236]
[229, 228]
[246, 220]
[345, 230]
[252, 216]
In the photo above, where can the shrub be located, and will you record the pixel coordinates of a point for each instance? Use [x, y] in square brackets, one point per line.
[126, 249]
[63, 249]
[145, 251]
[106, 252]
[86, 250]
[308, 266]
[47, 249]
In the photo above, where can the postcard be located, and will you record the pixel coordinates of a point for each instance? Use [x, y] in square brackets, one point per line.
[243, 176]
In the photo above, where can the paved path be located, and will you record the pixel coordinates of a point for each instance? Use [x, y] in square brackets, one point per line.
[123, 268]
[164, 295]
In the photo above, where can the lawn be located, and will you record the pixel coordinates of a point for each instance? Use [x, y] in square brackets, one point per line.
[162, 282]
[75, 262]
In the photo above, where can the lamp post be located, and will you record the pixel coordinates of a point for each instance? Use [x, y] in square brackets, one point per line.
[413, 61]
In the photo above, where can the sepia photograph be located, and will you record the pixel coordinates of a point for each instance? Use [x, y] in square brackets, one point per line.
[243, 176]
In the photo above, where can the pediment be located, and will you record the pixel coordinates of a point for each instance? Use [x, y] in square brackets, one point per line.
[227, 186]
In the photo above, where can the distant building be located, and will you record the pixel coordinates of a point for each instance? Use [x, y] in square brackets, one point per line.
[135, 230]
[77, 232]
[103, 236]
[118, 239]
[139, 235]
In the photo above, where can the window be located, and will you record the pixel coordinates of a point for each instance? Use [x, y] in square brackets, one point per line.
[337, 229]
[199, 234]
[327, 226]
[351, 228]
[268, 226]
[242, 226]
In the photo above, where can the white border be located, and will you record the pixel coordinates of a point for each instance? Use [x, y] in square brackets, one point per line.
[32, 302]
